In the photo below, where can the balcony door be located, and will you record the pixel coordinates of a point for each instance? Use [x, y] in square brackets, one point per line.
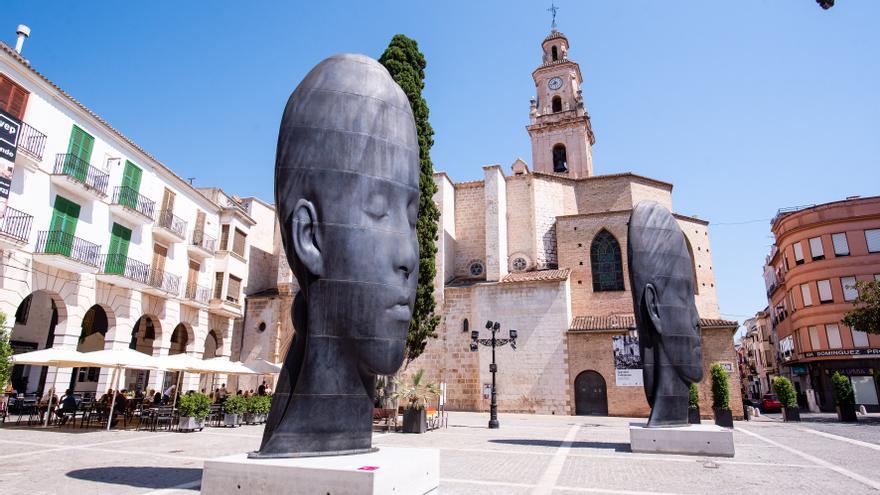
[199, 232]
[131, 184]
[117, 254]
[62, 227]
[192, 278]
[79, 153]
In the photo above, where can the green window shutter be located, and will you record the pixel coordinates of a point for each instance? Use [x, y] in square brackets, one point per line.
[79, 153]
[120, 237]
[62, 227]
[131, 183]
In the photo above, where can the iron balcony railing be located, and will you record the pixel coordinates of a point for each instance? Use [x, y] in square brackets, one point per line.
[80, 170]
[120, 264]
[31, 141]
[197, 293]
[168, 220]
[67, 245]
[16, 225]
[203, 240]
[164, 281]
[130, 198]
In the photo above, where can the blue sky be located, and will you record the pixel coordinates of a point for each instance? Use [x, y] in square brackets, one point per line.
[745, 106]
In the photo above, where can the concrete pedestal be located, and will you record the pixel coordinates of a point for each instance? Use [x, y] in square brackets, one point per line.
[701, 439]
[389, 470]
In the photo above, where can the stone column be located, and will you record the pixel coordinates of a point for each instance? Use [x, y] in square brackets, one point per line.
[496, 223]
[445, 259]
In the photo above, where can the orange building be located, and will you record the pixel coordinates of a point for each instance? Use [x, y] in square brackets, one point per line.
[819, 254]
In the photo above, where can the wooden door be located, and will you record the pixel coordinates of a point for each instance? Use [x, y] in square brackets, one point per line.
[590, 395]
[192, 278]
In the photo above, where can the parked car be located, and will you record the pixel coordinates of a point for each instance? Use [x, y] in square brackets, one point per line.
[769, 403]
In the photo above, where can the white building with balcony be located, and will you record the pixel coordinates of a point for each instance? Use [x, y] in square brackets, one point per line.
[102, 246]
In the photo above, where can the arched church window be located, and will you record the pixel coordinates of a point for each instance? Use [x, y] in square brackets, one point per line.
[605, 262]
[465, 326]
[555, 54]
[557, 104]
[560, 161]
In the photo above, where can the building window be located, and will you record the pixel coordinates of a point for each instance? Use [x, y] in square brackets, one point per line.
[873, 238]
[218, 285]
[233, 289]
[798, 254]
[554, 53]
[805, 295]
[814, 338]
[833, 333]
[605, 262]
[557, 104]
[224, 237]
[238, 242]
[824, 291]
[13, 98]
[476, 269]
[560, 161]
[465, 326]
[520, 264]
[850, 293]
[860, 338]
[841, 247]
[816, 250]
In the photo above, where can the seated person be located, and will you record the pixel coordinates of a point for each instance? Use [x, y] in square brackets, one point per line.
[68, 406]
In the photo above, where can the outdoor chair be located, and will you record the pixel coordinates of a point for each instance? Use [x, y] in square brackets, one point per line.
[215, 417]
[164, 414]
[386, 418]
[145, 415]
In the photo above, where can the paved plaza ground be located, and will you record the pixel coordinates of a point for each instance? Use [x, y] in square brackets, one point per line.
[530, 454]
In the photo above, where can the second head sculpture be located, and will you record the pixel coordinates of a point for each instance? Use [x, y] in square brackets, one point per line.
[662, 281]
[347, 195]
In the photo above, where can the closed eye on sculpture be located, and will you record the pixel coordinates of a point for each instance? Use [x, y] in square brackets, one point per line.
[376, 206]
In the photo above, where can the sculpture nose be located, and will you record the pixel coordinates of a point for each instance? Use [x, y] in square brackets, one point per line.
[408, 257]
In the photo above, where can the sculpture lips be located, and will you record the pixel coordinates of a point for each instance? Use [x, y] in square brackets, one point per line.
[400, 311]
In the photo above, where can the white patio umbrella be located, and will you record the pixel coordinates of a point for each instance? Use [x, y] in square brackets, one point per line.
[263, 367]
[184, 362]
[52, 356]
[224, 365]
[120, 360]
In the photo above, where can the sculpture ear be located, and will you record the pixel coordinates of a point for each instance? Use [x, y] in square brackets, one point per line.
[306, 237]
[653, 307]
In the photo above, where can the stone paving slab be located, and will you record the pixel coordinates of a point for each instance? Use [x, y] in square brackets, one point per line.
[530, 454]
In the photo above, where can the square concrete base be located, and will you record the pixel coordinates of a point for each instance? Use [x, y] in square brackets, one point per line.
[389, 470]
[702, 439]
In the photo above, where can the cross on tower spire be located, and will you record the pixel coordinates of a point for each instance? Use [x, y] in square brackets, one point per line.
[553, 10]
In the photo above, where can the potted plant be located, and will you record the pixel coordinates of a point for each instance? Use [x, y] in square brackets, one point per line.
[415, 395]
[265, 405]
[235, 406]
[694, 405]
[788, 397]
[257, 409]
[844, 397]
[721, 396]
[194, 408]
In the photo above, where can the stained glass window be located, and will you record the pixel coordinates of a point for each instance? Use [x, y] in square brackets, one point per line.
[606, 263]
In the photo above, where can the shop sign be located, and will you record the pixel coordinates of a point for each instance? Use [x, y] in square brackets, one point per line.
[851, 371]
[842, 352]
[799, 369]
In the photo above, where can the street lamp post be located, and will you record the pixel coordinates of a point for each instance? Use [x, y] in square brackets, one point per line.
[494, 342]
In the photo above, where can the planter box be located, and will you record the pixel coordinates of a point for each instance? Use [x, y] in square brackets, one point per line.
[250, 419]
[189, 423]
[847, 413]
[230, 420]
[791, 414]
[415, 421]
[723, 417]
[694, 416]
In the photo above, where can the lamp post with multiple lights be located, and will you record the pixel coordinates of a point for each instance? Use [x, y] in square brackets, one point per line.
[494, 342]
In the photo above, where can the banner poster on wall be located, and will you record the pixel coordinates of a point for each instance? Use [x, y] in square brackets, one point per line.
[627, 361]
[9, 129]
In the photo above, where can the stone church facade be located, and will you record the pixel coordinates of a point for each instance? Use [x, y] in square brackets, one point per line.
[542, 250]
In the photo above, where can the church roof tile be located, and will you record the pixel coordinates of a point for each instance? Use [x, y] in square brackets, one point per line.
[536, 276]
[612, 323]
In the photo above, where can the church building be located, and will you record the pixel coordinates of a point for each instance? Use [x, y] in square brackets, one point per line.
[542, 250]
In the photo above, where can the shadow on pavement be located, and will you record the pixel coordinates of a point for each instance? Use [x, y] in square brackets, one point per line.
[617, 447]
[138, 476]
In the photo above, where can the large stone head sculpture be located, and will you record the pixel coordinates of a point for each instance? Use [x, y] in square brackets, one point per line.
[662, 281]
[347, 195]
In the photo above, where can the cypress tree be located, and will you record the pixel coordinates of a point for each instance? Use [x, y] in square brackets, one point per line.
[406, 64]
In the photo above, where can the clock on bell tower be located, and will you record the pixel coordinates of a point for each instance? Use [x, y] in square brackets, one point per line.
[559, 125]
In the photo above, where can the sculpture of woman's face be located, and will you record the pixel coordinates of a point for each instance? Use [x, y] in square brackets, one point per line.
[371, 253]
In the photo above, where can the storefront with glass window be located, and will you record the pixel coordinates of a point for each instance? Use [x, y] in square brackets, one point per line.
[863, 373]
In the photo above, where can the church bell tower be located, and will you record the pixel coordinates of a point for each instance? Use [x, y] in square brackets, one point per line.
[559, 125]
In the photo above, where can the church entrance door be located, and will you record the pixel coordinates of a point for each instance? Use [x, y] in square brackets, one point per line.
[590, 395]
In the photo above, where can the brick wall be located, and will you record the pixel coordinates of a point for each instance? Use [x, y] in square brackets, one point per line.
[470, 226]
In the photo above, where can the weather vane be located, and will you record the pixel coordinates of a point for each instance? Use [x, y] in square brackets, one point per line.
[553, 10]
